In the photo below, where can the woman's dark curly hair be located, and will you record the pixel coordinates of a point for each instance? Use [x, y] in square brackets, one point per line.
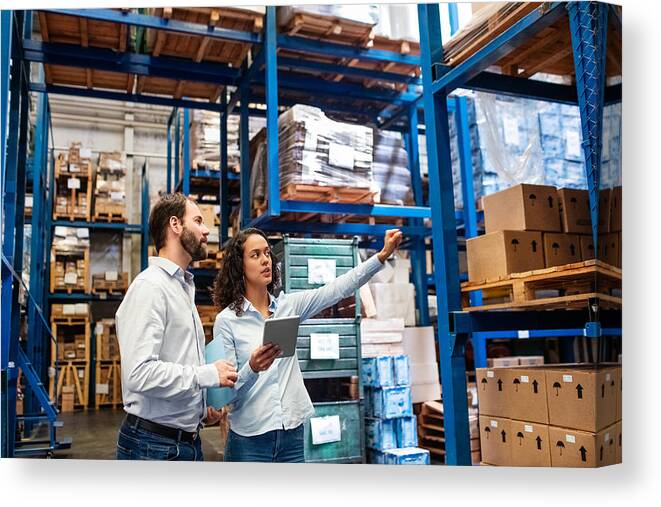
[229, 287]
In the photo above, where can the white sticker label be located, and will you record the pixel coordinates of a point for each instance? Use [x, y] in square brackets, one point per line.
[573, 143]
[325, 429]
[340, 156]
[68, 309]
[74, 168]
[524, 378]
[70, 278]
[83, 232]
[73, 183]
[567, 378]
[608, 377]
[490, 374]
[324, 346]
[111, 276]
[117, 196]
[607, 437]
[570, 438]
[321, 271]
[527, 428]
[102, 389]
[511, 130]
[524, 334]
[494, 424]
[81, 373]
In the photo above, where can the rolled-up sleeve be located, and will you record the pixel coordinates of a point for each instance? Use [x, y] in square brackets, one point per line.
[140, 331]
[246, 375]
[310, 302]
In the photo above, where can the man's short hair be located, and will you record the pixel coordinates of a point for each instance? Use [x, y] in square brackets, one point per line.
[169, 205]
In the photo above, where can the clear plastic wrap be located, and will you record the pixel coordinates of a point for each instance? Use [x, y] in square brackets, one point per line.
[398, 22]
[315, 150]
[366, 13]
[390, 168]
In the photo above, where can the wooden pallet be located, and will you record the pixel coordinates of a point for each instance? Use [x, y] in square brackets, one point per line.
[110, 287]
[548, 51]
[58, 324]
[112, 216]
[329, 28]
[69, 378]
[68, 288]
[108, 378]
[576, 284]
[178, 89]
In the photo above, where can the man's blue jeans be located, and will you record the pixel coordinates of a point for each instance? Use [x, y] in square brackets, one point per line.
[140, 444]
[277, 446]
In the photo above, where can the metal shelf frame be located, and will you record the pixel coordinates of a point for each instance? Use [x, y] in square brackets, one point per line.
[588, 25]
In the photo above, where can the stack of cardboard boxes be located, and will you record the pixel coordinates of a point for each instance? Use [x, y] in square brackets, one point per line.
[560, 416]
[391, 434]
[70, 259]
[211, 218]
[110, 188]
[73, 174]
[531, 227]
[107, 346]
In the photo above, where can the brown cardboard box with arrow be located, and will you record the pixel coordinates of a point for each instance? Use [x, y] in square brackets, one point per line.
[530, 444]
[582, 398]
[493, 392]
[495, 437]
[573, 448]
[527, 394]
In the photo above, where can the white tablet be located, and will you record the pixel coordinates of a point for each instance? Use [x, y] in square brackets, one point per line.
[283, 332]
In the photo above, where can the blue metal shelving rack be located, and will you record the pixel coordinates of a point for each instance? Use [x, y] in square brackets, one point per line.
[588, 24]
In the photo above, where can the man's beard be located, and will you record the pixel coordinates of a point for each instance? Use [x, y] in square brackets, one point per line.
[196, 249]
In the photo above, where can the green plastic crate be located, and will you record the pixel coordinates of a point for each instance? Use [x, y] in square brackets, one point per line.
[351, 447]
[349, 362]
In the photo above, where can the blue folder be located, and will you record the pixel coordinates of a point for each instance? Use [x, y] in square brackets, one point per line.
[217, 397]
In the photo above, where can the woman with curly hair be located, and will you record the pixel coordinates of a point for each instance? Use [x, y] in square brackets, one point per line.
[271, 402]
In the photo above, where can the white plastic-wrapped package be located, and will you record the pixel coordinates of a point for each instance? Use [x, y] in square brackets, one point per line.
[398, 22]
[367, 14]
[390, 168]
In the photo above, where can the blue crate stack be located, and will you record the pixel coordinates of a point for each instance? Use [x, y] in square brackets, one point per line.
[390, 427]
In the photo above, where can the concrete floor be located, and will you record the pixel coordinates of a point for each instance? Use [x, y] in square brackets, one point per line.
[94, 435]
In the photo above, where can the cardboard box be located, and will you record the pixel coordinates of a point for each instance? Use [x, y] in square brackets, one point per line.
[500, 253]
[419, 344]
[604, 210]
[572, 448]
[522, 208]
[495, 437]
[561, 249]
[581, 398]
[530, 444]
[618, 442]
[574, 207]
[618, 394]
[502, 362]
[208, 212]
[531, 360]
[616, 210]
[587, 248]
[492, 391]
[609, 249]
[425, 392]
[527, 394]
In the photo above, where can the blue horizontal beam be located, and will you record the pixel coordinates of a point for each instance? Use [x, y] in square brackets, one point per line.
[337, 208]
[315, 101]
[130, 63]
[130, 228]
[503, 44]
[523, 88]
[302, 63]
[267, 224]
[63, 296]
[125, 97]
[344, 51]
[544, 333]
[172, 25]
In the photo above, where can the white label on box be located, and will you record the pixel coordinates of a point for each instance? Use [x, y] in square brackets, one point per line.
[102, 389]
[567, 378]
[570, 438]
[68, 309]
[607, 437]
[70, 278]
[340, 156]
[111, 276]
[73, 183]
[117, 196]
[74, 168]
[608, 377]
[325, 429]
[524, 334]
[82, 308]
[524, 378]
[490, 374]
[494, 424]
[83, 232]
[511, 130]
[324, 346]
[321, 271]
[28, 201]
[527, 428]
[572, 143]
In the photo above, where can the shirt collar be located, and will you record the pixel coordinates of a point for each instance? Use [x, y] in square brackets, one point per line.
[273, 304]
[171, 268]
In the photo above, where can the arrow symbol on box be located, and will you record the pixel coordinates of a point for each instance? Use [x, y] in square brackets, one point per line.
[534, 386]
[516, 383]
[484, 384]
[487, 430]
[579, 390]
[584, 453]
[560, 445]
[504, 435]
[500, 385]
[557, 387]
[539, 442]
[519, 435]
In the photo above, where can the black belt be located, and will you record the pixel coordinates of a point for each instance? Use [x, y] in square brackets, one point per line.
[159, 429]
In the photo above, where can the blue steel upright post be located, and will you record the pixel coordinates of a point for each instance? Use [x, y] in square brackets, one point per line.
[272, 148]
[444, 237]
[244, 149]
[223, 187]
[186, 161]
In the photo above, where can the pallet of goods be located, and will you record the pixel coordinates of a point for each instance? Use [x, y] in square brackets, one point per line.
[320, 160]
[107, 346]
[108, 385]
[208, 317]
[110, 283]
[110, 188]
[70, 391]
[69, 271]
[73, 184]
[70, 324]
[538, 250]
[556, 415]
